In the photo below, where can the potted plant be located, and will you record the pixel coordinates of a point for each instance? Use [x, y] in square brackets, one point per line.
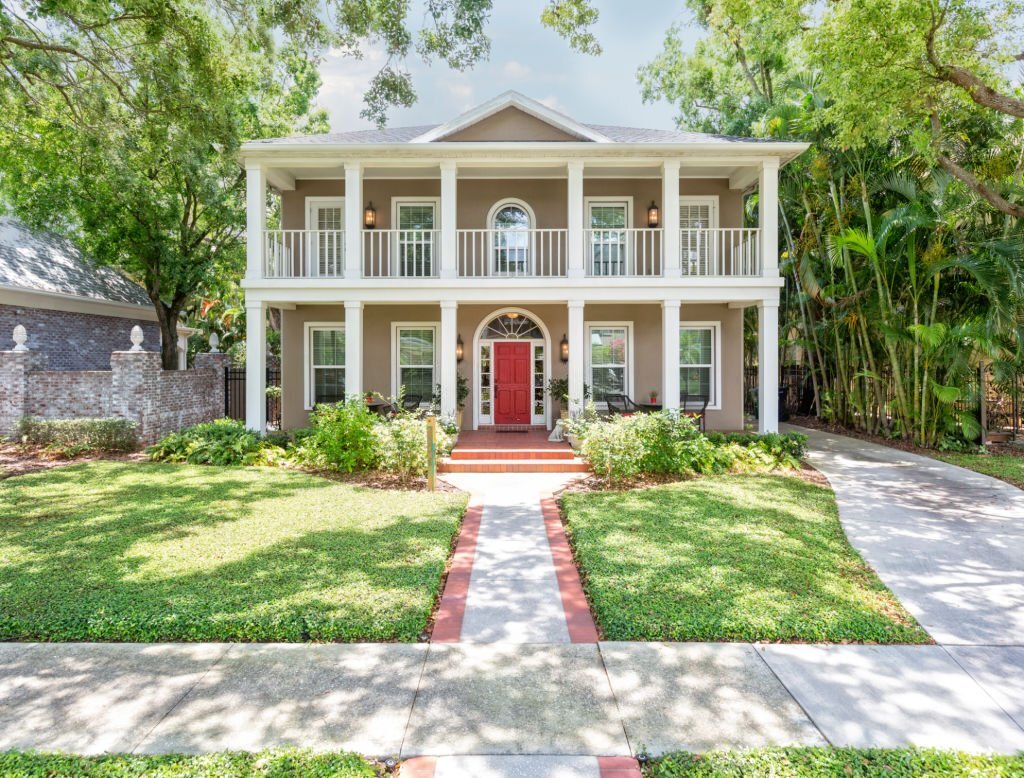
[653, 398]
[558, 390]
[461, 395]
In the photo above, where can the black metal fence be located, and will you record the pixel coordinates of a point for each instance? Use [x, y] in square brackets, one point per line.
[234, 395]
[796, 392]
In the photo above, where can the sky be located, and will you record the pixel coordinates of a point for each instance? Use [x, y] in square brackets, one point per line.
[529, 59]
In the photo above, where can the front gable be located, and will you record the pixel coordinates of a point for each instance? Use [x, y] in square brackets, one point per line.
[512, 118]
[512, 125]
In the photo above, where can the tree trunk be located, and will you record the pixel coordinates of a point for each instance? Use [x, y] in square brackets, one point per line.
[167, 318]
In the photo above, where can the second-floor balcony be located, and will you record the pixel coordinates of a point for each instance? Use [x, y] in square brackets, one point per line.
[727, 252]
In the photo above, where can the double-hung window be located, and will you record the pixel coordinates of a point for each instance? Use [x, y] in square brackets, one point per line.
[416, 360]
[325, 357]
[608, 222]
[416, 237]
[609, 360]
[697, 371]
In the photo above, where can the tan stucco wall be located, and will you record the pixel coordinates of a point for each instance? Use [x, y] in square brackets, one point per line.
[511, 124]
[476, 197]
[647, 363]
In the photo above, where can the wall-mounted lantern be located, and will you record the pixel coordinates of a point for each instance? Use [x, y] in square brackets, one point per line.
[563, 349]
[459, 351]
[370, 217]
[653, 215]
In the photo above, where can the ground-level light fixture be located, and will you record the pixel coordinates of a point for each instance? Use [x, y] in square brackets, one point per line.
[564, 349]
[370, 216]
[653, 215]
[459, 350]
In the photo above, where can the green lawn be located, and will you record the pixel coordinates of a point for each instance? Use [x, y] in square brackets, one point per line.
[734, 557]
[269, 764]
[836, 763]
[150, 552]
[1007, 467]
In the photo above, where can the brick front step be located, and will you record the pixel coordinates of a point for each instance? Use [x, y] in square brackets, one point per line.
[518, 453]
[573, 465]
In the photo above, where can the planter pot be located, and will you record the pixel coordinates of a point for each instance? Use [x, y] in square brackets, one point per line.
[573, 441]
[458, 418]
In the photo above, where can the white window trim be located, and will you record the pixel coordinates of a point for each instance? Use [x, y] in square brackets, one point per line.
[396, 327]
[716, 358]
[399, 201]
[711, 200]
[588, 326]
[492, 250]
[606, 200]
[312, 203]
[307, 356]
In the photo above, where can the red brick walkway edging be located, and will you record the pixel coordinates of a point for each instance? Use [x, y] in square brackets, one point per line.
[574, 602]
[618, 767]
[448, 622]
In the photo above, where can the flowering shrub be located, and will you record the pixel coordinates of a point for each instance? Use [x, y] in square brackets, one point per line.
[623, 448]
[342, 437]
[402, 444]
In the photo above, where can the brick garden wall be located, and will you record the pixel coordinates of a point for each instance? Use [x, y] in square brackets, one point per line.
[136, 387]
[75, 341]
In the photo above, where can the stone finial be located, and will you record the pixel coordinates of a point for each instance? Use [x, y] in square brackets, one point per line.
[137, 338]
[214, 342]
[20, 337]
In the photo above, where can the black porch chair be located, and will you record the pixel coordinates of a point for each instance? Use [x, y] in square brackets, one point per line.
[695, 406]
[621, 404]
[411, 402]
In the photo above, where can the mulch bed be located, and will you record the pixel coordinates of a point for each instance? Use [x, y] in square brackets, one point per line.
[17, 459]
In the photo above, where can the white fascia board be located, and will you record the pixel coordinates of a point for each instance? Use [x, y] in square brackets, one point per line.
[72, 303]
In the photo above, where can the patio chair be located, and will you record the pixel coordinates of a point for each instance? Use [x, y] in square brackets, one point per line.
[695, 406]
[411, 402]
[621, 404]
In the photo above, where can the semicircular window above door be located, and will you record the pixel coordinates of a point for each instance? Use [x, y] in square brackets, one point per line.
[512, 326]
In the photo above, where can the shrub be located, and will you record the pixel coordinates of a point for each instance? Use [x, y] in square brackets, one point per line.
[402, 444]
[342, 437]
[622, 448]
[79, 435]
[220, 442]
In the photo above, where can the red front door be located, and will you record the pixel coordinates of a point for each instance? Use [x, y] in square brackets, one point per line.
[512, 384]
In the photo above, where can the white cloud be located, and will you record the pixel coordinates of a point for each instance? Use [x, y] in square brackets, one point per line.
[516, 70]
[552, 102]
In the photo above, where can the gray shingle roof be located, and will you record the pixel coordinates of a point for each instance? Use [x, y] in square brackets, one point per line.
[407, 134]
[46, 262]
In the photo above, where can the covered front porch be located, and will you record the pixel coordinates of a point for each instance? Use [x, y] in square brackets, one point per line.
[498, 365]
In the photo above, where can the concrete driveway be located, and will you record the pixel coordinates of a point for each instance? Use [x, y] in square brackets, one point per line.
[949, 542]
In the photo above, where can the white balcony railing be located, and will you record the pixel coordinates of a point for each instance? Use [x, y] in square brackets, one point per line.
[723, 251]
[513, 253]
[618, 253]
[632, 252]
[304, 254]
[401, 253]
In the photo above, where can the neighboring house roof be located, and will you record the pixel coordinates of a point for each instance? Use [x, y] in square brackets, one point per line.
[513, 101]
[47, 263]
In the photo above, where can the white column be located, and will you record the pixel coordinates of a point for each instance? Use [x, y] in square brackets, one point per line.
[256, 366]
[768, 366]
[449, 219]
[255, 221]
[670, 217]
[353, 220]
[353, 348]
[448, 362]
[574, 223]
[577, 356]
[670, 353]
[768, 212]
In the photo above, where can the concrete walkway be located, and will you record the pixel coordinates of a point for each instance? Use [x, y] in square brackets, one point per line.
[949, 542]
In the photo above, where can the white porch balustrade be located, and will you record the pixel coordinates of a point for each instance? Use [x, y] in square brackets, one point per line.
[541, 253]
[304, 254]
[722, 251]
[634, 252]
[401, 253]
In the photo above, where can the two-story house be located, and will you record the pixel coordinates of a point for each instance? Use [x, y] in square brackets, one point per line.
[512, 245]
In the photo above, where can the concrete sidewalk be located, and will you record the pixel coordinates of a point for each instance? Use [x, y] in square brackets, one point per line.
[492, 699]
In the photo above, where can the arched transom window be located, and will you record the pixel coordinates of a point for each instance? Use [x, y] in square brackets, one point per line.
[512, 326]
[511, 222]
